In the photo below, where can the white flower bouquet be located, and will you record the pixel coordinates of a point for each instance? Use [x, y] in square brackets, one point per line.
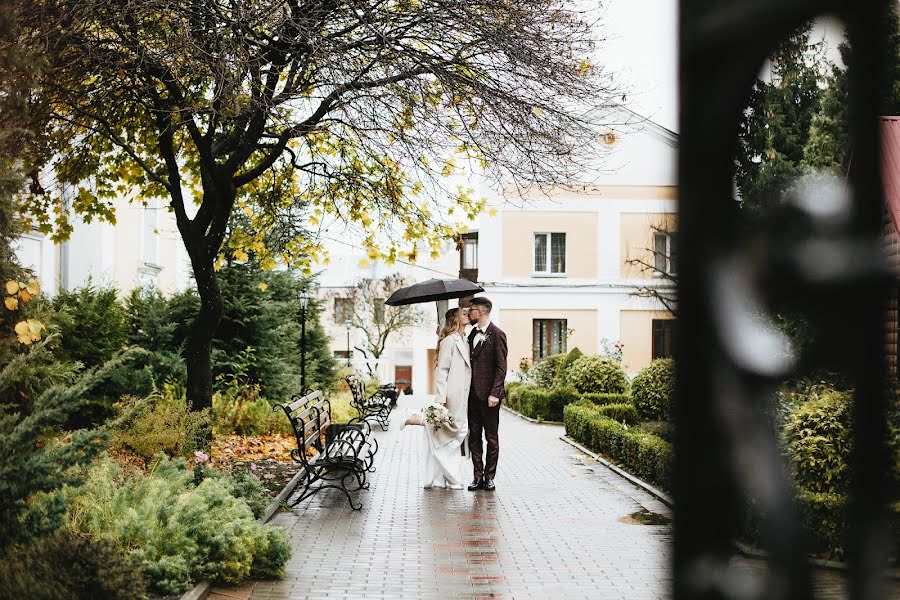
[437, 416]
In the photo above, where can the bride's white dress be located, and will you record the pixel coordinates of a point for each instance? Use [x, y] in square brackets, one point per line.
[446, 448]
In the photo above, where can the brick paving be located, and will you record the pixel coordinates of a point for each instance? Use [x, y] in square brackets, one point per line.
[553, 528]
[558, 526]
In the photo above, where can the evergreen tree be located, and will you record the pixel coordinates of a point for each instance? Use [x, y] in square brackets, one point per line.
[828, 147]
[775, 126]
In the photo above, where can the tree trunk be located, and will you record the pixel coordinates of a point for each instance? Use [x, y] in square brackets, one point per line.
[198, 348]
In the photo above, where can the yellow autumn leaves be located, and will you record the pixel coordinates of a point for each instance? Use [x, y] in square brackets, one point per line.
[18, 293]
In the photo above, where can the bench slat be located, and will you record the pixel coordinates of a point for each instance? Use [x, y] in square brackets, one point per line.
[297, 404]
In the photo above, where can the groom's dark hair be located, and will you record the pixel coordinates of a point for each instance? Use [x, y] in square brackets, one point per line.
[483, 302]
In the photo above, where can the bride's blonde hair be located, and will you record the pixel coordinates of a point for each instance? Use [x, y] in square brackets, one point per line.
[451, 324]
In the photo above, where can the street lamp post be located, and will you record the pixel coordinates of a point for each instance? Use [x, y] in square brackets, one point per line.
[348, 325]
[304, 304]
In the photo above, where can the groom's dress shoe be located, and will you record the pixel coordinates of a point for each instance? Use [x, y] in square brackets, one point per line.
[475, 485]
[488, 485]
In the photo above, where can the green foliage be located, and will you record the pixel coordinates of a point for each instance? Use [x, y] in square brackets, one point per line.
[534, 402]
[602, 398]
[239, 408]
[177, 530]
[775, 127]
[341, 408]
[546, 373]
[823, 516]
[151, 327]
[817, 440]
[645, 455]
[558, 398]
[622, 413]
[595, 374]
[96, 328]
[661, 429]
[71, 566]
[162, 424]
[33, 464]
[653, 388]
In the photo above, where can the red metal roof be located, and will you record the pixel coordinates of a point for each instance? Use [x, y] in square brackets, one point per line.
[890, 166]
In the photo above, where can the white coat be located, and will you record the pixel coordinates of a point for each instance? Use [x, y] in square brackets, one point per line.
[453, 378]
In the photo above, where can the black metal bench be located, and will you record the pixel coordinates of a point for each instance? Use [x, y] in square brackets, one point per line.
[342, 453]
[377, 406]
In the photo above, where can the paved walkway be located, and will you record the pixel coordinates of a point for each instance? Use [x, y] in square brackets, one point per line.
[557, 526]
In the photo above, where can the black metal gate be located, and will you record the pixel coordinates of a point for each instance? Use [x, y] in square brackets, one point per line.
[825, 259]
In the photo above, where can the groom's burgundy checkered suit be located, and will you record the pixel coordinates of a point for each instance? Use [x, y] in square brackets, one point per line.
[488, 374]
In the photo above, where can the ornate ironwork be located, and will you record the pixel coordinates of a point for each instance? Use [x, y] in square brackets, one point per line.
[377, 406]
[342, 453]
[822, 257]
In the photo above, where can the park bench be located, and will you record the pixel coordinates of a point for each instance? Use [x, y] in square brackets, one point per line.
[377, 406]
[332, 455]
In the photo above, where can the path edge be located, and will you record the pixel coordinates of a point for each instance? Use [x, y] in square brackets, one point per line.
[745, 549]
[529, 419]
[201, 588]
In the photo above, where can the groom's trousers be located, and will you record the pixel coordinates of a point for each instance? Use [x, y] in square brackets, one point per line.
[483, 418]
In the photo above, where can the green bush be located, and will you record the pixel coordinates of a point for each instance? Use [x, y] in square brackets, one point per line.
[95, 328]
[822, 515]
[534, 402]
[175, 530]
[545, 373]
[148, 315]
[593, 374]
[645, 455]
[623, 413]
[162, 424]
[817, 441]
[652, 390]
[558, 399]
[662, 429]
[601, 399]
[71, 566]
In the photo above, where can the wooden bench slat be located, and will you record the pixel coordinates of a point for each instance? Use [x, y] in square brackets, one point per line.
[293, 406]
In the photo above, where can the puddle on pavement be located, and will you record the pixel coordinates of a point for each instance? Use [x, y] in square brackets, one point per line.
[645, 517]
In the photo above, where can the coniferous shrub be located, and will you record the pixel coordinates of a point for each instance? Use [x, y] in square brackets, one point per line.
[178, 531]
[596, 374]
[653, 388]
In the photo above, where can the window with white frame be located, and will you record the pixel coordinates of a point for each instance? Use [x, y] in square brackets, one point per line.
[550, 253]
[470, 253]
[664, 253]
[549, 337]
[150, 233]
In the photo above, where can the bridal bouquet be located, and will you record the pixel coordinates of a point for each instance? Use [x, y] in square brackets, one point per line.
[437, 416]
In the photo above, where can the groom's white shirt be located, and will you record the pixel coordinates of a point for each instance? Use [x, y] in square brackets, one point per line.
[479, 337]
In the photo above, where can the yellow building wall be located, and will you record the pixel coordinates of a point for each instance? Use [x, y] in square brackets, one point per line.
[517, 323]
[636, 333]
[518, 241]
[636, 234]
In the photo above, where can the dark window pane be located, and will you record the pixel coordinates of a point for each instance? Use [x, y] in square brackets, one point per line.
[663, 332]
[660, 252]
[540, 252]
[557, 252]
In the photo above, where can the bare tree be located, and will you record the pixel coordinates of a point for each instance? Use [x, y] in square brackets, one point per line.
[291, 111]
[660, 261]
[368, 313]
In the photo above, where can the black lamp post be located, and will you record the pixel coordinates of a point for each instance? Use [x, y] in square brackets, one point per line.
[348, 325]
[304, 304]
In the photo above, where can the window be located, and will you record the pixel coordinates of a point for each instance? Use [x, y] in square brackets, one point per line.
[343, 310]
[550, 253]
[663, 334]
[664, 253]
[548, 337]
[379, 310]
[341, 354]
[470, 253]
[151, 235]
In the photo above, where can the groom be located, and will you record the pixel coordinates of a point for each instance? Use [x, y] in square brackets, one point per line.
[487, 345]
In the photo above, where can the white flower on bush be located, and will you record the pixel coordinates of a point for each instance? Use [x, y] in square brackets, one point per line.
[200, 457]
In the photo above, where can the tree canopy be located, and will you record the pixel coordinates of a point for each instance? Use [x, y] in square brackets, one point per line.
[287, 113]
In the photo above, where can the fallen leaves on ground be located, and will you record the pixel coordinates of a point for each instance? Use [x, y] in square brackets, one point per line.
[232, 448]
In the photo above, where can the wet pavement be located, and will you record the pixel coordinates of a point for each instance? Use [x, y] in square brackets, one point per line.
[553, 528]
[560, 525]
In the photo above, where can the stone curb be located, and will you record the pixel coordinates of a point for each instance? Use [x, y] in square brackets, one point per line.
[201, 589]
[745, 549]
[529, 419]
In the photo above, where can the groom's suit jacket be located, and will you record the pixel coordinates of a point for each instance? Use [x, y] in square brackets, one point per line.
[488, 364]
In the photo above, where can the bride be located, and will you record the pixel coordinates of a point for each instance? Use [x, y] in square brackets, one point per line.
[453, 376]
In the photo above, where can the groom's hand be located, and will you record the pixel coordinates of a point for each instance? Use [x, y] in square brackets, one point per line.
[493, 401]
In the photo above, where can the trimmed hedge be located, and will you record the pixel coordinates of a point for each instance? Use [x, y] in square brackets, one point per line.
[601, 398]
[559, 398]
[644, 454]
[623, 413]
[538, 403]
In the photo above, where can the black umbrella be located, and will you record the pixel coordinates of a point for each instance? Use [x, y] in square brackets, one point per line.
[433, 290]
